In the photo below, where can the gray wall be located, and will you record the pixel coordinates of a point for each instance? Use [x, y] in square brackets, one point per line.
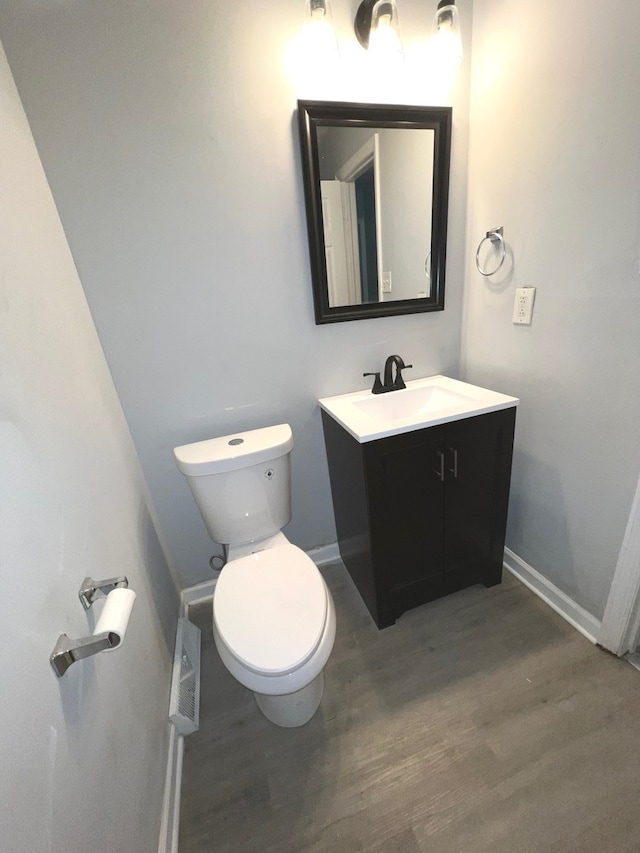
[84, 757]
[167, 132]
[554, 158]
[336, 145]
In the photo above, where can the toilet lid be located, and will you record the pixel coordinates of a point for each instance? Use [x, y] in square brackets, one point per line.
[270, 608]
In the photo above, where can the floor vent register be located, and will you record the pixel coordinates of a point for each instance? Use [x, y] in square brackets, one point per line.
[184, 704]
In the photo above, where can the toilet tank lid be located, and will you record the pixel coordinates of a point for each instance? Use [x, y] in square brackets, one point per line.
[230, 452]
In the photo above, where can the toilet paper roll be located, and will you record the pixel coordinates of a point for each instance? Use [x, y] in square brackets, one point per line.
[115, 615]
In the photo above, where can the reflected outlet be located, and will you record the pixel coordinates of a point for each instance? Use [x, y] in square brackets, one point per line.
[523, 306]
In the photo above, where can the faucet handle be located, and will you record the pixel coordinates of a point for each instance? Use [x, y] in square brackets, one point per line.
[377, 385]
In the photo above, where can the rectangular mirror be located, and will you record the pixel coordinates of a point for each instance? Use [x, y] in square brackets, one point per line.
[376, 182]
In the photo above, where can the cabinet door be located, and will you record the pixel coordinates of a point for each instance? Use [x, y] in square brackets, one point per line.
[478, 469]
[406, 507]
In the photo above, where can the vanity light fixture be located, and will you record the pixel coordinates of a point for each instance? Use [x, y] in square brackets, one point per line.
[319, 35]
[377, 27]
[447, 42]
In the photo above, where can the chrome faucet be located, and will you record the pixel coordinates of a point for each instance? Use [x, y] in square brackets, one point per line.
[392, 382]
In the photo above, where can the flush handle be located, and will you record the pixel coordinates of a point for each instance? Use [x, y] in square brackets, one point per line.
[439, 472]
[454, 459]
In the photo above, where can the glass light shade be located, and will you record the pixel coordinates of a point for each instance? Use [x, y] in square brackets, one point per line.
[447, 41]
[384, 38]
[319, 34]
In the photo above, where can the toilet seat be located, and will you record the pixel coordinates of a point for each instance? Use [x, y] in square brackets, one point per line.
[270, 609]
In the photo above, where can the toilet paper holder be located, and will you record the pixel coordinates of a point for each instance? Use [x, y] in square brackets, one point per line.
[68, 651]
[90, 589]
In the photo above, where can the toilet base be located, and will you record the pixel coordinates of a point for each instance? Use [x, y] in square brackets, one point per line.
[293, 709]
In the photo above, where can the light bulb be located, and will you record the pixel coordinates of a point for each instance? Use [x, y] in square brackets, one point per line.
[318, 34]
[447, 44]
[384, 38]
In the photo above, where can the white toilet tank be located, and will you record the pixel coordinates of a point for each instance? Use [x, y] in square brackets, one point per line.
[241, 482]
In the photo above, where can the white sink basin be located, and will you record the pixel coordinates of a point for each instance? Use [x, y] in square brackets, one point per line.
[423, 403]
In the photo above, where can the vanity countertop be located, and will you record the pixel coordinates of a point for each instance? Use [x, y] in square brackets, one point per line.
[423, 403]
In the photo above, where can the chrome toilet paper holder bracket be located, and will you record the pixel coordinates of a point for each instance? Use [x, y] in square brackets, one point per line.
[90, 589]
[68, 651]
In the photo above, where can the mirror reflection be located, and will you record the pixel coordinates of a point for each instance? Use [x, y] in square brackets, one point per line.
[376, 181]
[376, 212]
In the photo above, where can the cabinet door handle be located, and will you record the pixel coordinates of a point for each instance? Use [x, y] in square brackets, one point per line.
[439, 472]
[454, 470]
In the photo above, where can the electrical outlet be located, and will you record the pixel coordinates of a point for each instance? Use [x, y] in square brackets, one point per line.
[386, 282]
[523, 306]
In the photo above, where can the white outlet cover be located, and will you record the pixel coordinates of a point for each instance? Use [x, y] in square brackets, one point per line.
[523, 305]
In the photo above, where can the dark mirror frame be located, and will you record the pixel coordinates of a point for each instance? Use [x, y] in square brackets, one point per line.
[311, 115]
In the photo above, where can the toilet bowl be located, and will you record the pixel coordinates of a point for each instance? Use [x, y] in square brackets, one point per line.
[274, 627]
[274, 620]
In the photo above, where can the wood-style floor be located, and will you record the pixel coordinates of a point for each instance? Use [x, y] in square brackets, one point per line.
[480, 722]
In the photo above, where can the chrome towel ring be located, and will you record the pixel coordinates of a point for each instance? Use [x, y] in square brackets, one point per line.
[496, 236]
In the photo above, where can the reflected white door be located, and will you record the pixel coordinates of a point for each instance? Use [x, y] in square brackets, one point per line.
[338, 250]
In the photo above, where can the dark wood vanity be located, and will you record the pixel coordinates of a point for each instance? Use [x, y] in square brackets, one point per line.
[423, 513]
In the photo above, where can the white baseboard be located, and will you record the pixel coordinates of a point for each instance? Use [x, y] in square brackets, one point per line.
[575, 615]
[169, 827]
[324, 554]
[197, 594]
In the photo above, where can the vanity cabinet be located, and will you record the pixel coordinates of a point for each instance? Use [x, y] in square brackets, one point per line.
[421, 514]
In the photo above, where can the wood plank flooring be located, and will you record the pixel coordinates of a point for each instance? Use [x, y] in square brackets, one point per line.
[480, 722]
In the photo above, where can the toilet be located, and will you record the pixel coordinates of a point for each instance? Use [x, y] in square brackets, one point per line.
[274, 621]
